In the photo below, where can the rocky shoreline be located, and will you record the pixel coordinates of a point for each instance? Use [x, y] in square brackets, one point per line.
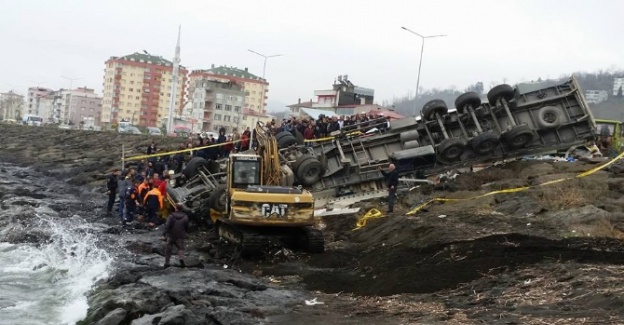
[547, 255]
[140, 290]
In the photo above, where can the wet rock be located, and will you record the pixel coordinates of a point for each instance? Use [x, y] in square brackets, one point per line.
[174, 315]
[115, 317]
[136, 298]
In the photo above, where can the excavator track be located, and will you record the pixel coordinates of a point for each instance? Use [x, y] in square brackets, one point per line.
[248, 241]
[315, 242]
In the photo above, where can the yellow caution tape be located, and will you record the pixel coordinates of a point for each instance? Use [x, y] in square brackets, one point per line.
[179, 151]
[374, 213]
[319, 139]
[371, 214]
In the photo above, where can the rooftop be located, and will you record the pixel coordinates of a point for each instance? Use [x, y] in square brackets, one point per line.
[230, 71]
[146, 58]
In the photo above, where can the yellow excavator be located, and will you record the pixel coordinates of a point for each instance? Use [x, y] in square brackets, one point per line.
[256, 206]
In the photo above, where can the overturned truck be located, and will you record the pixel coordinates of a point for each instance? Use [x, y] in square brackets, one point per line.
[511, 123]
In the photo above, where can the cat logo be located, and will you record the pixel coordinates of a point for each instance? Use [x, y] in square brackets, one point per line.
[269, 210]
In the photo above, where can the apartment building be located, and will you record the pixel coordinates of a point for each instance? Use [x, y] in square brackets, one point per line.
[137, 88]
[220, 101]
[256, 89]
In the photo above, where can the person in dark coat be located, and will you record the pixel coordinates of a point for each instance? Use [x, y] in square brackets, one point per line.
[175, 233]
[111, 187]
[392, 180]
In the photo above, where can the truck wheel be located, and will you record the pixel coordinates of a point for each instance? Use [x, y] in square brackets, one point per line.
[467, 99]
[518, 137]
[433, 107]
[285, 139]
[299, 137]
[309, 171]
[501, 91]
[484, 143]
[549, 117]
[451, 149]
[192, 167]
[218, 198]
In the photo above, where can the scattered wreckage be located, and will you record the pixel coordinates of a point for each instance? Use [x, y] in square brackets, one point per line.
[343, 170]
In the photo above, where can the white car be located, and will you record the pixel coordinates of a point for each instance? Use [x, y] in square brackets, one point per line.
[64, 127]
[153, 130]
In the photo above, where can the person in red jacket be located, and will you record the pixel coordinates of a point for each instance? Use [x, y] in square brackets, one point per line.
[308, 134]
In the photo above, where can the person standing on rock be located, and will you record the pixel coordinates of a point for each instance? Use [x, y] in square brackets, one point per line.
[392, 180]
[175, 233]
[132, 197]
[111, 186]
[151, 150]
[122, 185]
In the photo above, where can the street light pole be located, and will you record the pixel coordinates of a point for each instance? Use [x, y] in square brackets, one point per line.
[71, 80]
[265, 60]
[422, 49]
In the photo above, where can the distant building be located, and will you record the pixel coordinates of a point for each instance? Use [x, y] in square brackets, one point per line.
[137, 88]
[295, 109]
[221, 102]
[80, 106]
[252, 117]
[618, 83]
[11, 106]
[256, 89]
[596, 96]
[40, 102]
[343, 99]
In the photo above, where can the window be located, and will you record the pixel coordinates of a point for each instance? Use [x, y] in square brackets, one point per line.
[228, 108]
[217, 117]
[219, 106]
[131, 89]
[237, 109]
[244, 117]
[137, 98]
[236, 119]
[227, 118]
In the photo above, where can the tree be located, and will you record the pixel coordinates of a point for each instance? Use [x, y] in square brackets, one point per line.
[619, 93]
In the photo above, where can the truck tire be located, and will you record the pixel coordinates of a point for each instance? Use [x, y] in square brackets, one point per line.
[192, 167]
[433, 107]
[484, 143]
[467, 99]
[501, 91]
[309, 171]
[218, 198]
[519, 137]
[549, 117]
[285, 139]
[451, 149]
[299, 137]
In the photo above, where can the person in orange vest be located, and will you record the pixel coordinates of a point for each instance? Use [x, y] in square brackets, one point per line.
[153, 203]
[142, 190]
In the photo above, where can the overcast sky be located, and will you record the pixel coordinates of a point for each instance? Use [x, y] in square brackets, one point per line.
[487, 41]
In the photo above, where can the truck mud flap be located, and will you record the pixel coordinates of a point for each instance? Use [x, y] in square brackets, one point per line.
[414, 153]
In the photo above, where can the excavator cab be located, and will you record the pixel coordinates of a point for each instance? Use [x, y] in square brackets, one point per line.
[257, 213]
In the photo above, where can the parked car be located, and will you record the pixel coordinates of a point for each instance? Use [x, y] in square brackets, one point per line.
[64, 127]
[153, 130]
[130, 130]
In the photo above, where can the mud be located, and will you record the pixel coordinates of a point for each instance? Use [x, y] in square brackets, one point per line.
[549, 255]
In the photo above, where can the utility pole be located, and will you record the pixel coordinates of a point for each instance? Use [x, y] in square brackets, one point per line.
[422, 49]
[265, 60]
[174, 82]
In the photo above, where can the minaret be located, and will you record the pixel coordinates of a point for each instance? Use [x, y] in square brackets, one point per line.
[174, 83]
